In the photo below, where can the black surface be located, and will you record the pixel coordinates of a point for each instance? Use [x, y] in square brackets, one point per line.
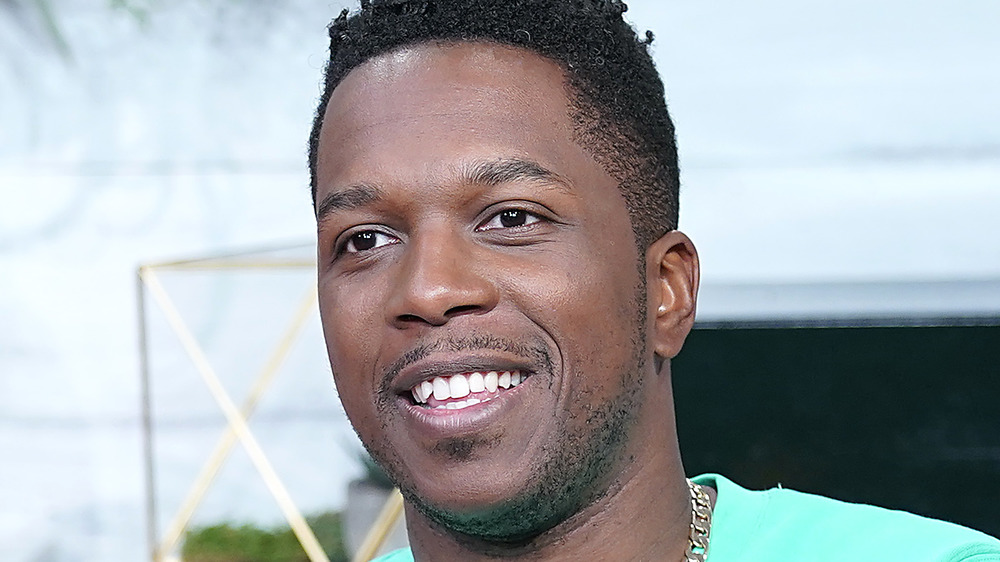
[905, 417]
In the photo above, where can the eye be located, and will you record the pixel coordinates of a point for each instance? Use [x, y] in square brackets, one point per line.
[367, 240]
[510, 218]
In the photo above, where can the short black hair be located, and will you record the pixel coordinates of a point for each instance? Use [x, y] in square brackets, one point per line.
[618, 105]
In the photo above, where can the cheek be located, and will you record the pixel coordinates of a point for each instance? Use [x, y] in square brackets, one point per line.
[352, 360]
[350, 324]
[588, 307]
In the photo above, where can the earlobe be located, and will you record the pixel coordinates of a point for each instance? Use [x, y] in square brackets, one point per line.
[673, 277]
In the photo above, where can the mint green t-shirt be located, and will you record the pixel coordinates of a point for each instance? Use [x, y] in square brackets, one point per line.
[780, 525]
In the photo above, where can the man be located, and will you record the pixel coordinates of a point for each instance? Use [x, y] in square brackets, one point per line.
[502, 288]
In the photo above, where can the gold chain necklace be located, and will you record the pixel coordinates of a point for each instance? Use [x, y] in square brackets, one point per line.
[701, 523]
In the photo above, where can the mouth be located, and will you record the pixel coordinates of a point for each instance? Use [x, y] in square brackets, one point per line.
[464, 390]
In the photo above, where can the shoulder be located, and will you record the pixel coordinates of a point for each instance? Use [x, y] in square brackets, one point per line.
[803, 526]
[875, 533]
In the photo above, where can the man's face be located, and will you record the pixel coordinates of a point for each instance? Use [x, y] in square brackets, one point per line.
[466, 241]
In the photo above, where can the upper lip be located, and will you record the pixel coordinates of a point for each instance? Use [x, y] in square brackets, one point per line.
[443, 365]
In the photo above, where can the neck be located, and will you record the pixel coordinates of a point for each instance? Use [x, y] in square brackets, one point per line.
[643, 515]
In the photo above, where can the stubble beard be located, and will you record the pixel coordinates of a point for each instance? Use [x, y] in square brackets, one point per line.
[571, 475]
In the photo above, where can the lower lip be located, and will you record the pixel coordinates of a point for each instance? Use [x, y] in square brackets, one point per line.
[442, 422]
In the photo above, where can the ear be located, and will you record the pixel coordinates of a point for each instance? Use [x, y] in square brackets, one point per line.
[672, 275]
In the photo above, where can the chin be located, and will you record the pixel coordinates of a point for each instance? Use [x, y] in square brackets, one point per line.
[512, 521]
[523, 505]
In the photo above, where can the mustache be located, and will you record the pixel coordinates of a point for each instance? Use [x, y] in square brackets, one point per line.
[537, 353]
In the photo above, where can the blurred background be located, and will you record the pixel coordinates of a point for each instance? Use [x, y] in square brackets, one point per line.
[841, 178]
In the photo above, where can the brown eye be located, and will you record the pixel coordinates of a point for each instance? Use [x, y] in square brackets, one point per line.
[510, 218]
[367, 240]
[513, 218]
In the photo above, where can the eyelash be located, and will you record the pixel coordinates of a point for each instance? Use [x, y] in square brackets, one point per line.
[351, 240]
[529, 218]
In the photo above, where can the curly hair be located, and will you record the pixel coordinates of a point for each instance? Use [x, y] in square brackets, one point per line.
[616, 96]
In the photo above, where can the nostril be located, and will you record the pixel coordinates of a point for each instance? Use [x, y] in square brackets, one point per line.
[460, 310]
[438, 320]
[432, 290]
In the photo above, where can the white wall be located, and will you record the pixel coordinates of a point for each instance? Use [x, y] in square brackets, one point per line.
[836, 141]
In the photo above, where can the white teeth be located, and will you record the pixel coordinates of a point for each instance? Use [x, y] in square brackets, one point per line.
[459, 386]
[442, 390]
[459, 405]
[476, 382]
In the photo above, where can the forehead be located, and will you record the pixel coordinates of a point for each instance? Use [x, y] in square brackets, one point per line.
[490, 65]
[432, 104]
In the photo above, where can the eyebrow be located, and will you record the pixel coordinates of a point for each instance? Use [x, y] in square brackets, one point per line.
[489, 173]
[504, 170]
[352, 197]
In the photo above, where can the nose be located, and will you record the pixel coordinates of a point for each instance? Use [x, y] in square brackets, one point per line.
[439, 279]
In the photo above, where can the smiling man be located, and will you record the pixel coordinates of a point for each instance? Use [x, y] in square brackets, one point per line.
[503, 285]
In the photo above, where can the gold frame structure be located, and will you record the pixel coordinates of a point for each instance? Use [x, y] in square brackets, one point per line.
[237, 429]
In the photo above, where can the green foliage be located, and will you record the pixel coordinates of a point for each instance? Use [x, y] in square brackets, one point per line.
[329, 531]
[227, 542]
